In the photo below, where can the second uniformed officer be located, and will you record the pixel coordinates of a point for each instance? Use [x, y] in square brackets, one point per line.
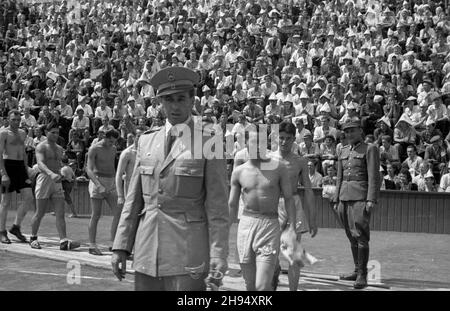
[175, 214]
[358, 188]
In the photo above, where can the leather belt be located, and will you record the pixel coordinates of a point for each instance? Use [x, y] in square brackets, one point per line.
[355, 178]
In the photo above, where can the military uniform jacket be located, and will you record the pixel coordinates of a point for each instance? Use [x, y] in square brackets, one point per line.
[358, 175]
[176, 211]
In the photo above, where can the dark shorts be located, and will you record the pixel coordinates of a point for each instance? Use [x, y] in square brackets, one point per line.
[67, 187]
[18, 175]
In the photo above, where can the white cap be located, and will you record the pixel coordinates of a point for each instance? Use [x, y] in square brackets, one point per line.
[273, 97]
[304, 95]
[325, 108]
[288, 99]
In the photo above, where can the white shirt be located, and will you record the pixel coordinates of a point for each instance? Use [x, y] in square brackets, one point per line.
[87, 109]
[100, 113]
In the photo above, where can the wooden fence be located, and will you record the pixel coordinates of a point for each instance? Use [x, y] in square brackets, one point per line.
[403, 211]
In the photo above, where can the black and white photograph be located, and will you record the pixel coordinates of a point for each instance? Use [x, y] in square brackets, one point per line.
[231, 146]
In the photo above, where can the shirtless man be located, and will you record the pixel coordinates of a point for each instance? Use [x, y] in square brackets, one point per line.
[49, 188]
[14, 175]
[102, 186]
[125, 169]
[297, 167]
[262, 181]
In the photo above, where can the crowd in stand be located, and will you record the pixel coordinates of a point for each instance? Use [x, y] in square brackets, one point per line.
[87, 64]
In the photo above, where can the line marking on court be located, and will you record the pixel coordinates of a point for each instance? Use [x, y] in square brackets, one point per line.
[62, 275]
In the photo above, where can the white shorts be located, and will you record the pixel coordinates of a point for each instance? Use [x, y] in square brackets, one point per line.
[46, 188]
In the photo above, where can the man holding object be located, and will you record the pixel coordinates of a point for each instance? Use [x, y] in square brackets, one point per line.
[175, 214]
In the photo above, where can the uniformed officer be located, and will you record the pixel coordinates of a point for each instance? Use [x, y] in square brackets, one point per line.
[175, 214]
[358, 188]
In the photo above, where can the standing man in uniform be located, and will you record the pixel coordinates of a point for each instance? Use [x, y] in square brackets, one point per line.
[357, 191]
[102, 185]
[306, 218]
[14, 176]
[49, 188]
[175, 213]
[262, 181]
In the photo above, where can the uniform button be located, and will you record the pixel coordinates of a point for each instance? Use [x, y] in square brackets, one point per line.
[161, 175]
[160, 190]
[159, 205]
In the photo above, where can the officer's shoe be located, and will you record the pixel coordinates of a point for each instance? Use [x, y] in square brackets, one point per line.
[361, 281]
[352, 276]
[349, 276]
[363, 257]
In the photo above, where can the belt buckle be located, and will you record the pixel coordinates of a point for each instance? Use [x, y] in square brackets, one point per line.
[214, 280]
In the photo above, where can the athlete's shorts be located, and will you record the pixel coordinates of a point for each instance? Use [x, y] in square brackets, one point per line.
[67, 187]
[46, 188]
[110, 185]
[258, 239]
[18, 176]
[302, 224]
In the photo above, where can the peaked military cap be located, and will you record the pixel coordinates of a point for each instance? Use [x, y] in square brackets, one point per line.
[174, 80]
[352, 124]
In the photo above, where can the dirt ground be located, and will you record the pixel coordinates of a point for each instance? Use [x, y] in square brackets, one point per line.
[409, 260]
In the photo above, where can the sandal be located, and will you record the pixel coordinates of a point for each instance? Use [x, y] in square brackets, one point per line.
[35, 244]
[95, 251]
[69, 245]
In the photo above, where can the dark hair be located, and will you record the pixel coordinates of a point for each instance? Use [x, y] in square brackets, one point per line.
[387, 138]
[412, 146]
[406, 172]
[112, 134]
[14, 112]
[330, 137]
[287, 127]
[52, 125]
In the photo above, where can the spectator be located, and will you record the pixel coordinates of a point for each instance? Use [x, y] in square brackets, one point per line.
[80, 125]
[444, 185]
[429, 185]
[28, 120]
[404, 182]
[391, 178]
[327, 151]
[346, 65]
[314, 176]
[404, 135]
[388, 152]
[437, 155]
[413, 161]
[309, 149]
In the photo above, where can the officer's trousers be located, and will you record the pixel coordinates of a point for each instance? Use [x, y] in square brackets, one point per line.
[356, 221]
[144, 282]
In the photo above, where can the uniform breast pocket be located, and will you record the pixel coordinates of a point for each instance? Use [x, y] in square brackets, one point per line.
[147, 174]
[189, 181]
[359, 160]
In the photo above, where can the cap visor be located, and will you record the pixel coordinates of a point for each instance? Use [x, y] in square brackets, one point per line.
[174, 91]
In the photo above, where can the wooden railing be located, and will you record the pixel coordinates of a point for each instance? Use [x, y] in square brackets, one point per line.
[404, 211]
